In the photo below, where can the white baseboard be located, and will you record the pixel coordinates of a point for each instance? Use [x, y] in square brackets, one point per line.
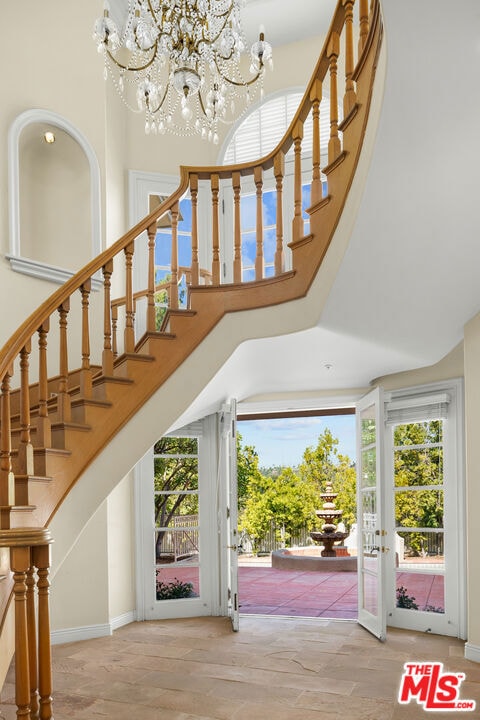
[122, 620]
[89, 632]
[472, 652]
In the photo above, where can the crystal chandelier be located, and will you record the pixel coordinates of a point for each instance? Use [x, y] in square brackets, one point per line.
[179, 62]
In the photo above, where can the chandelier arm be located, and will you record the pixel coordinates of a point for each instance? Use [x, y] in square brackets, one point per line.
[214, 40]
[237, 83]
[160, 104]
[128, 67]
[202, 106]
[152, 11]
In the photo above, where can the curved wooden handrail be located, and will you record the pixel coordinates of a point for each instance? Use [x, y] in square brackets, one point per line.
[51, 400]
[24, 333]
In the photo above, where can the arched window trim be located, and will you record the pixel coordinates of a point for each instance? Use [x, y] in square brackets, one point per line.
[18, 262]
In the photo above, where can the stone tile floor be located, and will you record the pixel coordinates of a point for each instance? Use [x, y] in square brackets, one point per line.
[273, 669]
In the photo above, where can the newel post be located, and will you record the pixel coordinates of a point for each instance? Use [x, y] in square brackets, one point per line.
[30, 554]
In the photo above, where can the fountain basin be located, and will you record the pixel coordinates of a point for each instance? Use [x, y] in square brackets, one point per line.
[309, 558]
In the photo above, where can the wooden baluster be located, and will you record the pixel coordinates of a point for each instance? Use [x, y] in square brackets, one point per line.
[259, 259]
[107, 354]
[194, 197]
[32, 642]
[174, 261]
[364, 25]
[25, 449]
[86, 372]
[298, 224]
[215, 184]
[333, 50]
[114, 332]
[63, 398]
[151, 314]
[7, 479]
[315, 98]
[237, 230]
[350, 97]
[41, 557]
[279, 172]
[129, 333]
[19, 564]
[44, 433]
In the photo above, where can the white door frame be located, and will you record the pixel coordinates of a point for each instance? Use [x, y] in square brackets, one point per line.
[371, 541]
[453, 621]
[208, 602]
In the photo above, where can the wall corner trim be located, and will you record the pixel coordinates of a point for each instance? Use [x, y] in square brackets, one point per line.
[472, 652]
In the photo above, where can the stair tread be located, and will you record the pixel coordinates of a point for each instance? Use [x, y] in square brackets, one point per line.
[91, 402]
[33, 478]
[19, 508]
[111, 379]
[72, 426]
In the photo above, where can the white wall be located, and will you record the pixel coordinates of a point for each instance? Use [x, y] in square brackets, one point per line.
[121, 585]
[48, 75]
[79, 594]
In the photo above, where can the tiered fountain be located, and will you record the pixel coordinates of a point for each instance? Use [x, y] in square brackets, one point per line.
[329, 558]
[331, 517]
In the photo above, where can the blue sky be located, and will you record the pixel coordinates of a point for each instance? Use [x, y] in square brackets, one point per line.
[281, 441]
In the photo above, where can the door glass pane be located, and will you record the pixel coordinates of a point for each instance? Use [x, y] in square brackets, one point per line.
[419, 433]
[176, 536]
[177, 583]
[367, 427]
[370, 593]
[423, 591]
[419, 516]
[420, 549]
[418, 466]
[369, 467]
[420, 508]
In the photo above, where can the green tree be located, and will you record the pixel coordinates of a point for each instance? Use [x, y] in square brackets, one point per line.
[418, 462]
[323, 463]
[247, 469]
[175, 476]
[286, 501]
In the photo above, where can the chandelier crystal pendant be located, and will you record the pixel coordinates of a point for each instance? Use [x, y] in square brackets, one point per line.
[181, 62]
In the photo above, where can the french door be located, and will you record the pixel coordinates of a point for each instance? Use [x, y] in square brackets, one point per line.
[425, 498]
[371, 533]
[228, 475]
[177, 522]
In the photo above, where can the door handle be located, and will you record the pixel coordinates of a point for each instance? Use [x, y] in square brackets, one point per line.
[232, 547]
[376, 548]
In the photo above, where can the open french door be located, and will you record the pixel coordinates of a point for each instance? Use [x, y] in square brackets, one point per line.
[371, 532]
[228, 439]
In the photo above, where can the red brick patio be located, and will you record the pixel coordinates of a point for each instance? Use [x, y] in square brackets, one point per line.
[264, 590]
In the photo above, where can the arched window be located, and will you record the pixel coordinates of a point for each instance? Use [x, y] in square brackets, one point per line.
[258, 132]
[255, 135]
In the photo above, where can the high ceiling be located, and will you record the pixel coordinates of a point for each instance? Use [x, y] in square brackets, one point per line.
[283, 23]
[409, 279]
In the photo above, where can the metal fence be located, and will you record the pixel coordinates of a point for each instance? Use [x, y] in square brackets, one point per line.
[275, 539]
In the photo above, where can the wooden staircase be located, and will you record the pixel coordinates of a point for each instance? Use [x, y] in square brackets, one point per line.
[54, 425]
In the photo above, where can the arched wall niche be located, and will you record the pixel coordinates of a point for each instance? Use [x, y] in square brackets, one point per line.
[54, 197]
